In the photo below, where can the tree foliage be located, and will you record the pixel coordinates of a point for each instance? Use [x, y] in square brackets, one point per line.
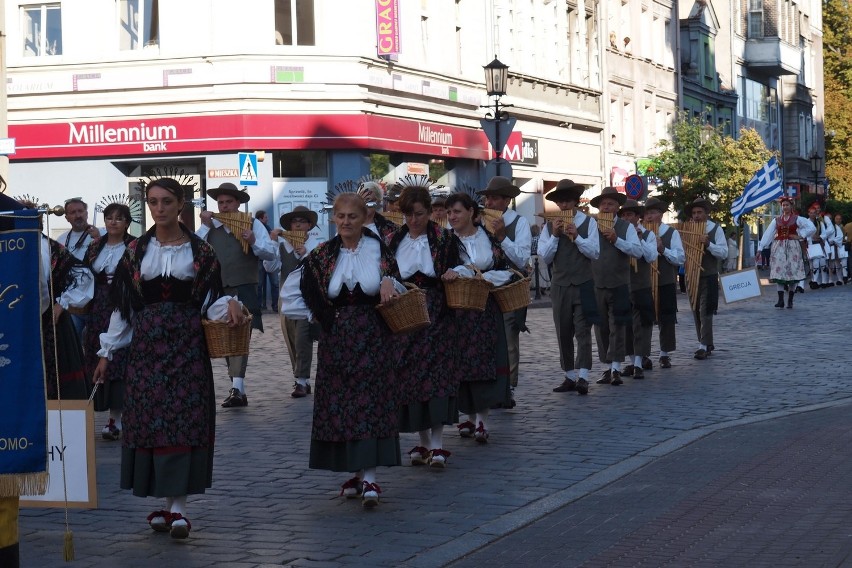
[701, 162]
[837, 61]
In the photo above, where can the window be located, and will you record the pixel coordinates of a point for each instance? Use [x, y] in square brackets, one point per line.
[42, 27]
[298, 30]
[139, 23]
[300, 163]
[755, 18]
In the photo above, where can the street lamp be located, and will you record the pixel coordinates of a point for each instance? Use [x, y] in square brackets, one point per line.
[816, 167]
[496, 77]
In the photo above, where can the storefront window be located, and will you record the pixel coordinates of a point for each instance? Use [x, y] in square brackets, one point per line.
[42, 29]
[300, 163]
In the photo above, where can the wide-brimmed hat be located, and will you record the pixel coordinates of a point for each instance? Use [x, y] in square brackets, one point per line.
[566, 190]
[656, 204]
[500, 186]
[698, 202]
[611, 193]
[298, 211]
[228, 188]
[633, 205]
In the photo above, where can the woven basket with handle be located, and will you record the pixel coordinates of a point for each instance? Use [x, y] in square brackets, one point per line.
[225, 341]
[468, 293]
[513, 296]
[407, 312]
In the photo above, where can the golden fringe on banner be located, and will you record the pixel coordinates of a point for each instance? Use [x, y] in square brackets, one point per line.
[14, 484]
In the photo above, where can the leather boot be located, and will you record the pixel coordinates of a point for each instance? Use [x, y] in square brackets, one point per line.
[790, 300]
[780, 303]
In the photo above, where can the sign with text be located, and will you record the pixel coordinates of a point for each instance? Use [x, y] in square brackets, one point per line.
[387, 27]
[310, 193]
[740, 285]
[75, 449]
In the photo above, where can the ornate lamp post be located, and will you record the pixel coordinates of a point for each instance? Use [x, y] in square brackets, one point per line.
[497, 123]
[816, 167]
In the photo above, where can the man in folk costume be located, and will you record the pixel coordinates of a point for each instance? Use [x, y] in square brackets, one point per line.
[298, 333]
[239, 270]
[611, 271]
[714, 248]
[814, 249]
[77, 240]
[838, 249]
[513, 233]
[786, 265]
[671, 257]
[571, 247]
[638, 334]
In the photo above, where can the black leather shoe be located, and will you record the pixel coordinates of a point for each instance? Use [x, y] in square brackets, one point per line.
[638, 374]
[800, 290]
[235, 399]
[616, 379]
[299, 391]
[701, 354]
[567, 386]
[665, 362]
[628, 371]
[582, 386]
[606, 378]
[308, 389]
[647, 364]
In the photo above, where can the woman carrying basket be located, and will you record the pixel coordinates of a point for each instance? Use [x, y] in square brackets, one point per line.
[356, 406]
[424, 251]
[102, 258]
[482, 363]
[164, 282]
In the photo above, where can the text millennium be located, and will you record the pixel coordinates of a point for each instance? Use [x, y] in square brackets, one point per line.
[152, 137]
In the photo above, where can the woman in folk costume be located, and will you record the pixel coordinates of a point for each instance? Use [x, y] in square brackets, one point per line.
[102, 258]
[64, 284]
[373, 194]
[356, 403]
[786, 265]
[424, 251]
[482, 357]
[164, 283]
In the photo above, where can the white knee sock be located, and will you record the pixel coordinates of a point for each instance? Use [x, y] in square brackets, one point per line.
[584, 373]
[115, 415]
[425, 438]
[482, 416]
[637, 361]
[178, 505]
[238, 384]
[369, 475]
[571, 375]
[437, 438]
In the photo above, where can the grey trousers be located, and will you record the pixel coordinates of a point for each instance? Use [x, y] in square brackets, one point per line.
[703, 320]
[513, 343]
[609, 335]
[668, 342]
[300, 345]
[571, 324]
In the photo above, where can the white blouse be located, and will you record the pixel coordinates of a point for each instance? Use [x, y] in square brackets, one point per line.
[359, 266]
[414, 255]
[108, 259]
[166, 261]
[75, 297]
[477, 251]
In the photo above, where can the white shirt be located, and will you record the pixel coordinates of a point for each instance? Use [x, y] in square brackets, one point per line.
[649, 245]
[263, 248]
[359, 266]
[166, 261]
[77, 242]
[629, 245]
[477, 251]
[590, 247]
[675, 254]
[718, 247]
[518, 250]
[414, 255]
[108, 259]
[76, 297]
[804, 228]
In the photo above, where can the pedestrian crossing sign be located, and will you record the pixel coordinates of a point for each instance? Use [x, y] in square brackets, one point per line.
[248, 168]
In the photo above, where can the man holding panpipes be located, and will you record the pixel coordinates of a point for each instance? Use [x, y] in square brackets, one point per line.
[238, 247]
[571, 247]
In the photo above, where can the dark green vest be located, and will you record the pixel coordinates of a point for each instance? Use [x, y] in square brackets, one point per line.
[238, 268]
[570, 266]
[641, 277]
[667, 270]
[710, 263]
[612, 267]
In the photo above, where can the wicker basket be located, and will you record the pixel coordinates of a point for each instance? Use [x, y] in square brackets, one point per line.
[407, 312]
[225, 341]
[513, 296]
[468, 293]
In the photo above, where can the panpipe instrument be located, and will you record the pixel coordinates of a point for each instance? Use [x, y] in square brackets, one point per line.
[567, 218]
[237, 222]
[605, 221]
[295, 238]
[691, 234]
[654, 227]
[489, 216]
[395, 217]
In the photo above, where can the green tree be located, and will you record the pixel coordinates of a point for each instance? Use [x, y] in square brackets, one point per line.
[741, 159]
[689, 164]
[837, 61]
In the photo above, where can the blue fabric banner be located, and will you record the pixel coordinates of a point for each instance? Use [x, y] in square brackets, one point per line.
[23, 412]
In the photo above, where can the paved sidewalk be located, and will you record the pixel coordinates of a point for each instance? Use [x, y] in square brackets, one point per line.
[267, 509]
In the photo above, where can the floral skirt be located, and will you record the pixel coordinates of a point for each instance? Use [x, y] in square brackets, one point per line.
[110, 395]
[482, 359]
[428, 385]
[169, 409]
[356, 397]
[785, 262]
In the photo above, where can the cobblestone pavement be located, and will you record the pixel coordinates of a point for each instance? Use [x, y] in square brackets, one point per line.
[267, 509]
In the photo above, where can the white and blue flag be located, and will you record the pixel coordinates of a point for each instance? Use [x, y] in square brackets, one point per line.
[764, 187]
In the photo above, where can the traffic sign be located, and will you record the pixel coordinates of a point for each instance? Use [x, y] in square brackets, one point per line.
[248, 168]
[498, 131]
[634, 186]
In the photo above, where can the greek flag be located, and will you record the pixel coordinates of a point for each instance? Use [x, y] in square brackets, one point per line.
[764, 187]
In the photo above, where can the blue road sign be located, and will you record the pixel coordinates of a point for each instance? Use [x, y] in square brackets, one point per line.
[248, 168]
[634, 186]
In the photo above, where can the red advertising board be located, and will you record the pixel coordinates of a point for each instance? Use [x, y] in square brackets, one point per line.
[244, 132]
[387, 27]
